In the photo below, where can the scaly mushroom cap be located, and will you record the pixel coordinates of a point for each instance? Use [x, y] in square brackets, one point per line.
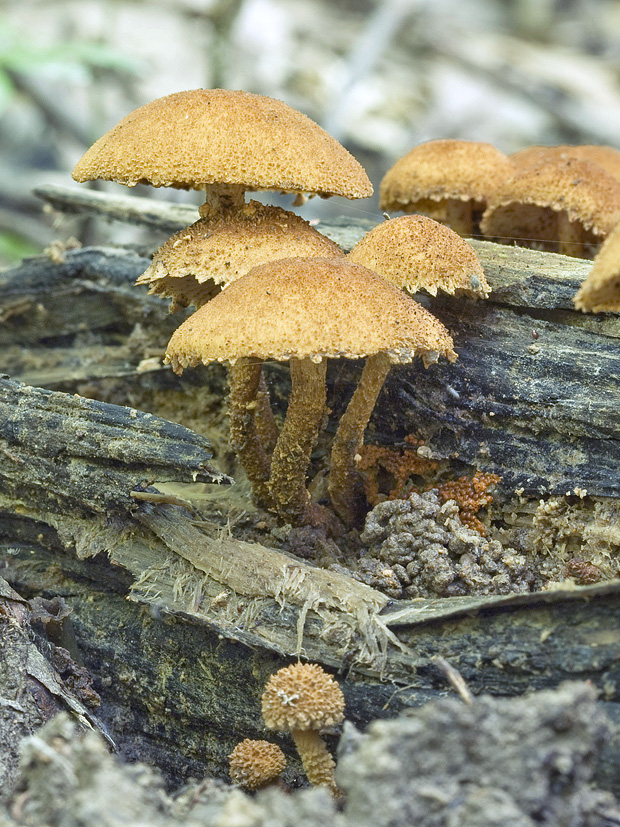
[600, 292]
[254, 764]
[309, 308]
[218, 136]
[301, 697]
[194, 263]
[586, 192]
[417, 253]
[442, 169]
[605, 156]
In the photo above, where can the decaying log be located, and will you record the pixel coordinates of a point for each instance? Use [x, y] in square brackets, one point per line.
[65, 452]
[532, 397]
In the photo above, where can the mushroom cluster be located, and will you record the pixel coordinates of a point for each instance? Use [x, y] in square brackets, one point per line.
[563, 199]
[225, 143]
[305, 311]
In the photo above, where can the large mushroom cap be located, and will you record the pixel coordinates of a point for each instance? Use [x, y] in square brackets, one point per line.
[443, 169]
[600, 292]
[309, 308]
[582, 189]
[301, 697]
[193, 264]
[218, 136]
[417, 253]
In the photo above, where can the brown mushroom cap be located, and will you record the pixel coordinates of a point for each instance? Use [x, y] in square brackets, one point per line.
[193, 264]
[600, 292]
[218, 136]
[415, 252]
[605, 156]
[442, 169]
[254, 764]
[309, 308]
[302, 697]
[586, 192]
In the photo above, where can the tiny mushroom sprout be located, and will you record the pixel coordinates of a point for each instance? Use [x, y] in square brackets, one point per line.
[303, 699]
[255, 764]
[306, 310]
[223, 142]
[600, 292]
[448, 180]
[417, 253]
[565, 205]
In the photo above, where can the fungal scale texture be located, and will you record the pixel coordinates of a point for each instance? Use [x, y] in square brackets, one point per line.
[219, 136]
[416, 253]
[443, 169]
[309, 308]
[302, 696]
[194, 263]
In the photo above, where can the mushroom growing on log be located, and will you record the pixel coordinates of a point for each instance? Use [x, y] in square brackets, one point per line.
[303, 699]
[448, 180]
[223, 142]
[305, 311]
[565, 205]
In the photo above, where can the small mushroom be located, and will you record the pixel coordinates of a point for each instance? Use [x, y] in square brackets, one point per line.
[306, 311]
[254, 764]
[223, 142]
[600, 292]
[417, 253]
[447, 180]
[303, 699]
[565, 206]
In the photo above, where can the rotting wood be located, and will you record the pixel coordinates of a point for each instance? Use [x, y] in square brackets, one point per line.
[539, 409]
[64, 452]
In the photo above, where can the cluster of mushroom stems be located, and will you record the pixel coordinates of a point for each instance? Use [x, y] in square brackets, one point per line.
[268, 286]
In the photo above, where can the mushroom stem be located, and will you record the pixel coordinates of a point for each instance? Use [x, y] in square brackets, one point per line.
[220, 198]
[570, 236]
[344, 485]
[317, 761]
[297, 438]
[246, 409]
[266, 425]
[458, 216]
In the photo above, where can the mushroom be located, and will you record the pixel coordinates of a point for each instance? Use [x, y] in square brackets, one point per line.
[195, 264]
[567, 205]
[303, 699]
[448, 180]
[600, 292]
[305, 311]
[255, 764]
[605, 156]
[417, 253]
[226, 142]
[223, 142]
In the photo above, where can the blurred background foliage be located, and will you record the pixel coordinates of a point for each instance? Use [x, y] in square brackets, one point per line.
[380, 75]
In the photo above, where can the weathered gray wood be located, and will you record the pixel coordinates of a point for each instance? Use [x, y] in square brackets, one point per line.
[89, 289]
[147, 212]
[70, 452]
